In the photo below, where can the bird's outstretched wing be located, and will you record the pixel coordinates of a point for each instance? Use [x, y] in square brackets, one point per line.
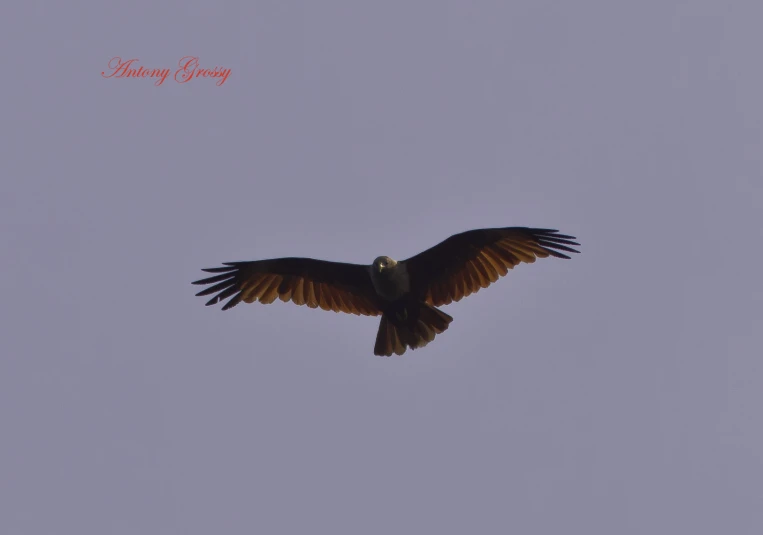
[316, 283]
[466, 262]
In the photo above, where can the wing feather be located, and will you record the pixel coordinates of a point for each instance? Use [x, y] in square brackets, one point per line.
[304, 281]
[470, 277]
[494, 259]
[490, 274]
[466, 262]
[271, 292]
[299, 292]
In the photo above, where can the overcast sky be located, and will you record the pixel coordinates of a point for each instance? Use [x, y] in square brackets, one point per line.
[620, 392]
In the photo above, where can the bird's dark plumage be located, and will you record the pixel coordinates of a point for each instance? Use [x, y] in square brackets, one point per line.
[405, 293]
[466, 262]
[316, 283]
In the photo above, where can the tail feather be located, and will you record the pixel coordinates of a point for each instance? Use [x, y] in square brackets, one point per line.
[415, 328]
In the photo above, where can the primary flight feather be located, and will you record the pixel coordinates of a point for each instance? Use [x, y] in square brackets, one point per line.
[404, 293]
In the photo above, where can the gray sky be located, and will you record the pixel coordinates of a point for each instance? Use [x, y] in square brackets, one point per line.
[619, 392]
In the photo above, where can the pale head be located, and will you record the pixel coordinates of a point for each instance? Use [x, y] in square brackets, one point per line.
[382, 263]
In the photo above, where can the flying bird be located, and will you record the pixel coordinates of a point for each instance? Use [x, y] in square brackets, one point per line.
[404, 293]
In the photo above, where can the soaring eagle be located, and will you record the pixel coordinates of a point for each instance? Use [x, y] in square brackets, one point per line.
[405, 293]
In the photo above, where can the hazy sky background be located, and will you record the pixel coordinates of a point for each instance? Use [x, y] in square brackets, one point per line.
[620, 392]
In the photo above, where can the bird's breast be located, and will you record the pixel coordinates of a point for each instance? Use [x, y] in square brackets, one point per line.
[392, 283]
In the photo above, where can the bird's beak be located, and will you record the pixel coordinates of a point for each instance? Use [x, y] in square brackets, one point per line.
[381, 267]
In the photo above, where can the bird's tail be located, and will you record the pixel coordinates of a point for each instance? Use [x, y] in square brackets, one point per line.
[411, 326]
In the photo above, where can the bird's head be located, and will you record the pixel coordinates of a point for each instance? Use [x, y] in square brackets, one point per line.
[382, 263]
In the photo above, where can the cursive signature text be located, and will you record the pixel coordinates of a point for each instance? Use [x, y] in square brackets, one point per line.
[189, 69]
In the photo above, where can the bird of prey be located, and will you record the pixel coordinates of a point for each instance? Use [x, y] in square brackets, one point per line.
[404, 293]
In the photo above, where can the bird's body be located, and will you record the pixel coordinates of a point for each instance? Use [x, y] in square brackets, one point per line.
[406, 320]
[404, 293]
[390, 278]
